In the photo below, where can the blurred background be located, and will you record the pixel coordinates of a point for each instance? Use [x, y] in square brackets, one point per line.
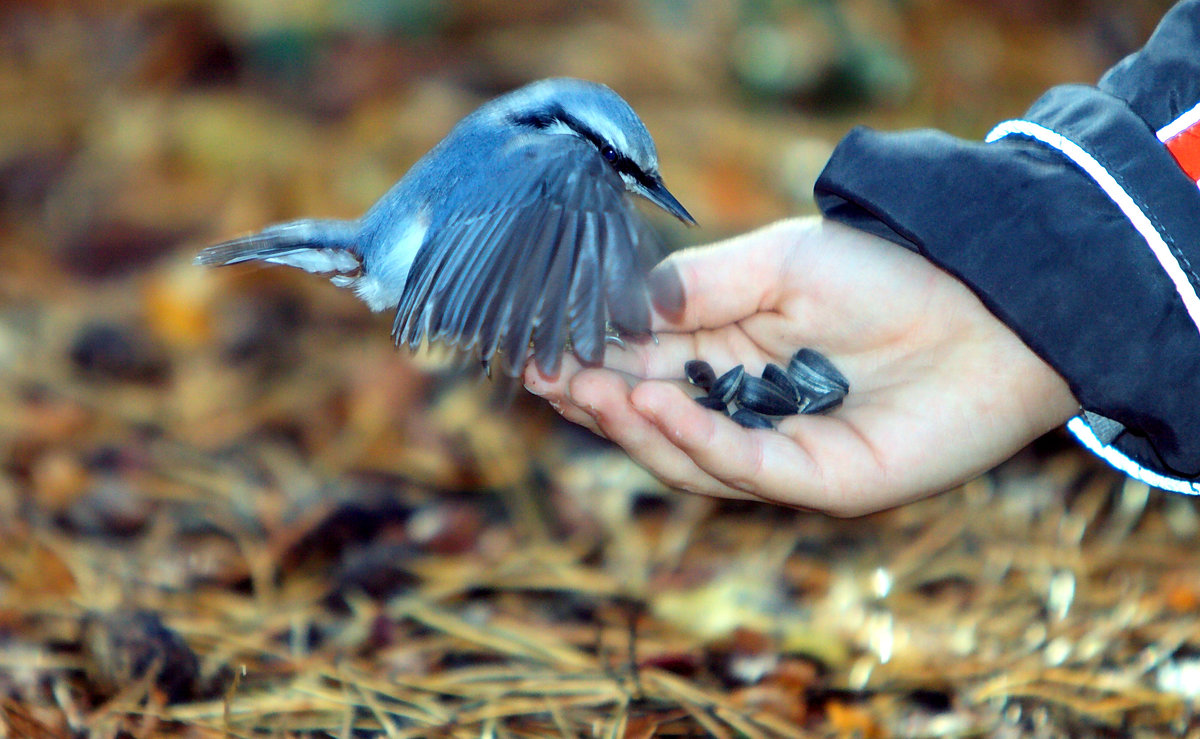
[216, 487]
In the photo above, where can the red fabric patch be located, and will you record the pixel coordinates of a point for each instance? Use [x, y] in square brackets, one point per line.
[1185, 147]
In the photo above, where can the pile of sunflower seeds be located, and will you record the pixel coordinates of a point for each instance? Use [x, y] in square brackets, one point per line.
[810, 384]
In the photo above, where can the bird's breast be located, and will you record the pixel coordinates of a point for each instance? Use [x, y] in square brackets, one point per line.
[386, 266]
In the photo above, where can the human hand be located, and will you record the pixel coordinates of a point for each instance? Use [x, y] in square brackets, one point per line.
[940, 389]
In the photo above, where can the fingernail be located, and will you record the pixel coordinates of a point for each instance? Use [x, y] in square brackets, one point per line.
[666, 291]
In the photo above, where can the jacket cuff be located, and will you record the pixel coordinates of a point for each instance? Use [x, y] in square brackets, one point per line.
[1078, 229]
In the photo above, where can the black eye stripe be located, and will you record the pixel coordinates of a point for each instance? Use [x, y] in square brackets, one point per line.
[555, 114]
[619, 161]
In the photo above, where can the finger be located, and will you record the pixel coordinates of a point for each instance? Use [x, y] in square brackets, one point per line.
[789, 468]
[725, 282]
[558, 393]
[551, 387]
[576, 415]
[663, 360]
[605, 396]
[556, 388]
[554, 391]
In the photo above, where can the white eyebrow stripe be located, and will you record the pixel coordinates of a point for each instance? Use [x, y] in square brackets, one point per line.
[558, 127]
[603, 127]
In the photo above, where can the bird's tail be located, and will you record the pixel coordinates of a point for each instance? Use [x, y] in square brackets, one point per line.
[322, 246]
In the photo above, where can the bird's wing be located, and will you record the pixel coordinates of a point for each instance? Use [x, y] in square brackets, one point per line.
[554, 252]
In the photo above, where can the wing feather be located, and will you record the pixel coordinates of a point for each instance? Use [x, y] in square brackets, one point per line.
[503, 290]
[485, 315]
[468, 247]
[585, 306]
[554, 256]
[550, 329]
[459, 282]
[530, 295]
[628, 301]
[460, 291]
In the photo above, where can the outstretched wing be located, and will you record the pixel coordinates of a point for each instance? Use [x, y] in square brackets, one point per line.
[554, 252]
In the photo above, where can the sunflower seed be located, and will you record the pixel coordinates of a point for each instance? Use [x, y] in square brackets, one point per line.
[777, 376]
[747, 418]
[700, 374]
[765, 397]
[823, 403]
[713, 404]
[815, 374]
[726, 386]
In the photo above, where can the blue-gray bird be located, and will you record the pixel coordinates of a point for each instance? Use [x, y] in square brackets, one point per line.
[515, 234]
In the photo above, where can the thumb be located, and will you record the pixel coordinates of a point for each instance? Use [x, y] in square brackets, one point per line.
[722, 283]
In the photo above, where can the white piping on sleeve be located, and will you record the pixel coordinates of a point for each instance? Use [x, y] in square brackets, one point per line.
[1185, 121]
[1112, 188]
[1079, 427]
[1083, 432]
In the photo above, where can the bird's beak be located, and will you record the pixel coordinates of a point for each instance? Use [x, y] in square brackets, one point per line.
[657, 193]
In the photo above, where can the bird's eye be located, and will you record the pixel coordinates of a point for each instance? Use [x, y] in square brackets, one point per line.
[609, 153]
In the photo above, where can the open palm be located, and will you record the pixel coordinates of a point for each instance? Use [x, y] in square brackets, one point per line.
[940, 389]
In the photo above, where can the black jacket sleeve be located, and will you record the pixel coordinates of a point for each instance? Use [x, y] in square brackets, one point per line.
[1079, 227]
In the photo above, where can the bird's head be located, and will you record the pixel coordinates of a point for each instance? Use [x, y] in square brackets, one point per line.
[595, 113]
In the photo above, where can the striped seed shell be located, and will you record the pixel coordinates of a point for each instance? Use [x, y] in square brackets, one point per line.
[778, 376]
[711, 403]
[765, 397]
[726, 386]
[815, 374]
[747, 418]
[824, 403]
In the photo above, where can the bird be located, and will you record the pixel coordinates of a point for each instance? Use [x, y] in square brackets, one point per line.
[514, 238]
